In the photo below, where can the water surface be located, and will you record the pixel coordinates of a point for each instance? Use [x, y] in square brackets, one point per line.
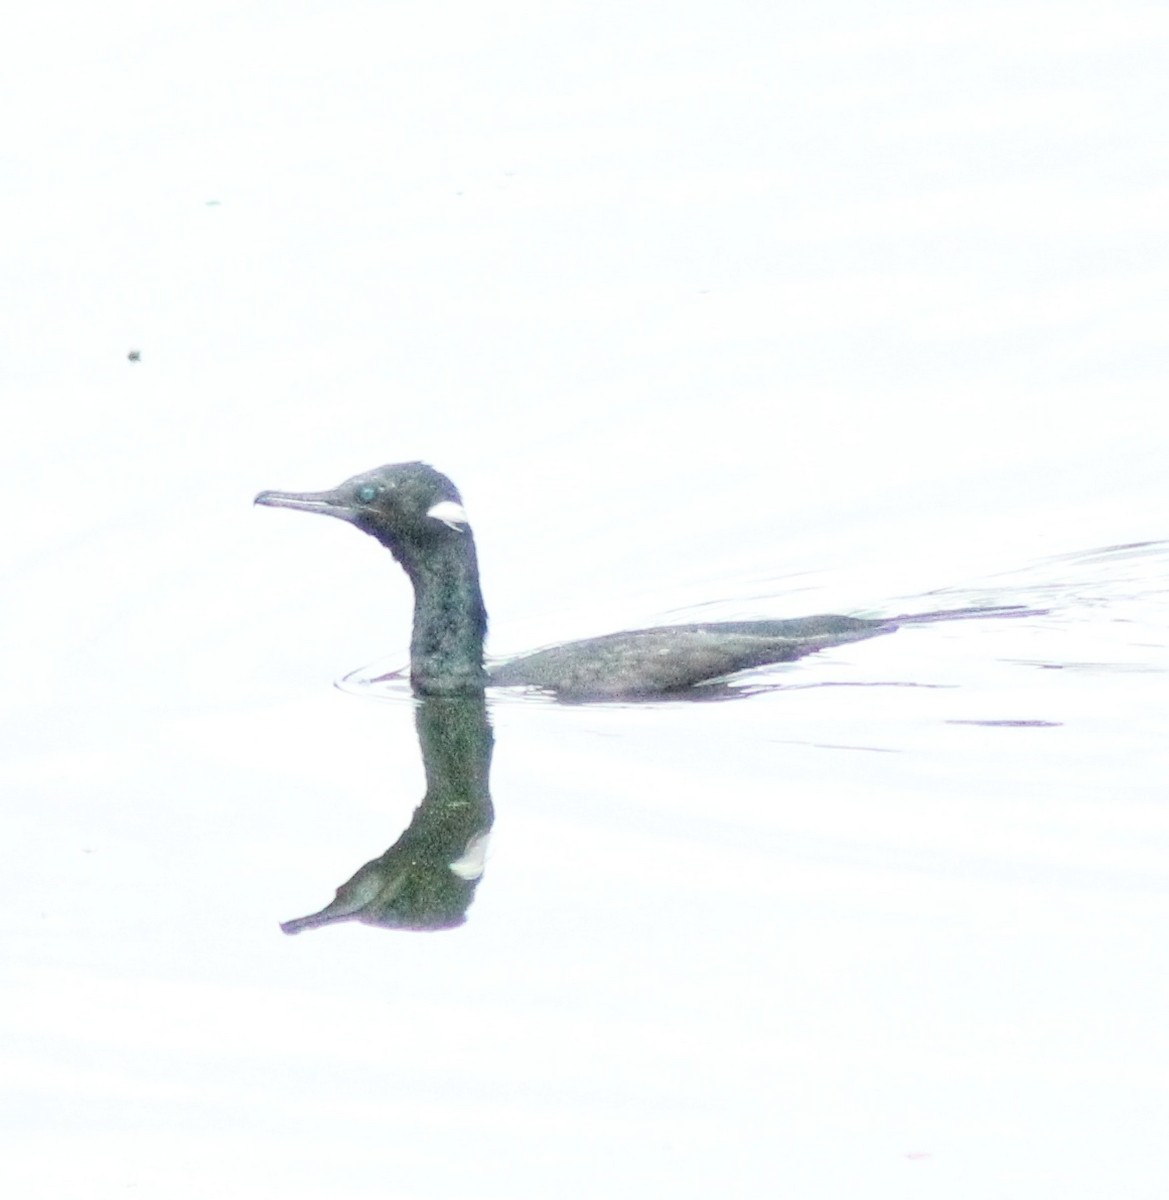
[851, 309]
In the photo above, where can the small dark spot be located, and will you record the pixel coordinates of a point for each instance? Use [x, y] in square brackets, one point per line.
[135, 356]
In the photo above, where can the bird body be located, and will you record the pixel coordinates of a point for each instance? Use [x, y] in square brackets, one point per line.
[672, 658]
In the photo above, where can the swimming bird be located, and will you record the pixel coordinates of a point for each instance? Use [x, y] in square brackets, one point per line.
[417, 513]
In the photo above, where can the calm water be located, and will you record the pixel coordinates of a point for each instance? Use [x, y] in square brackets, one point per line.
[893, 921]
[762, 315]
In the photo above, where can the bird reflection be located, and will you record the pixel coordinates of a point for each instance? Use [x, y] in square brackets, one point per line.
[427, 879]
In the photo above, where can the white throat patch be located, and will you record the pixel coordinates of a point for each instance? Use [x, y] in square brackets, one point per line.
[452, 515]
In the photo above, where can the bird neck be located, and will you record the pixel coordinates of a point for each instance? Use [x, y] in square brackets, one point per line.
[450, 622]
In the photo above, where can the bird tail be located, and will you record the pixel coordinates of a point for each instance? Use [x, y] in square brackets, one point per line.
[965, 614]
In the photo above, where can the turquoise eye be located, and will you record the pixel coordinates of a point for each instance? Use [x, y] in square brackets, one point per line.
[366, 492]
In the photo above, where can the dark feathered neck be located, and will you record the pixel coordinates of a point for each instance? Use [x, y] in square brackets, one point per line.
[450, 622]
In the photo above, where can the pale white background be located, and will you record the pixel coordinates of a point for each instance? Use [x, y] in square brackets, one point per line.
[732, 309]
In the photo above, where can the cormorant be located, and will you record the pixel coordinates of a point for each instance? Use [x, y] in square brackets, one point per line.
[417, 514]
